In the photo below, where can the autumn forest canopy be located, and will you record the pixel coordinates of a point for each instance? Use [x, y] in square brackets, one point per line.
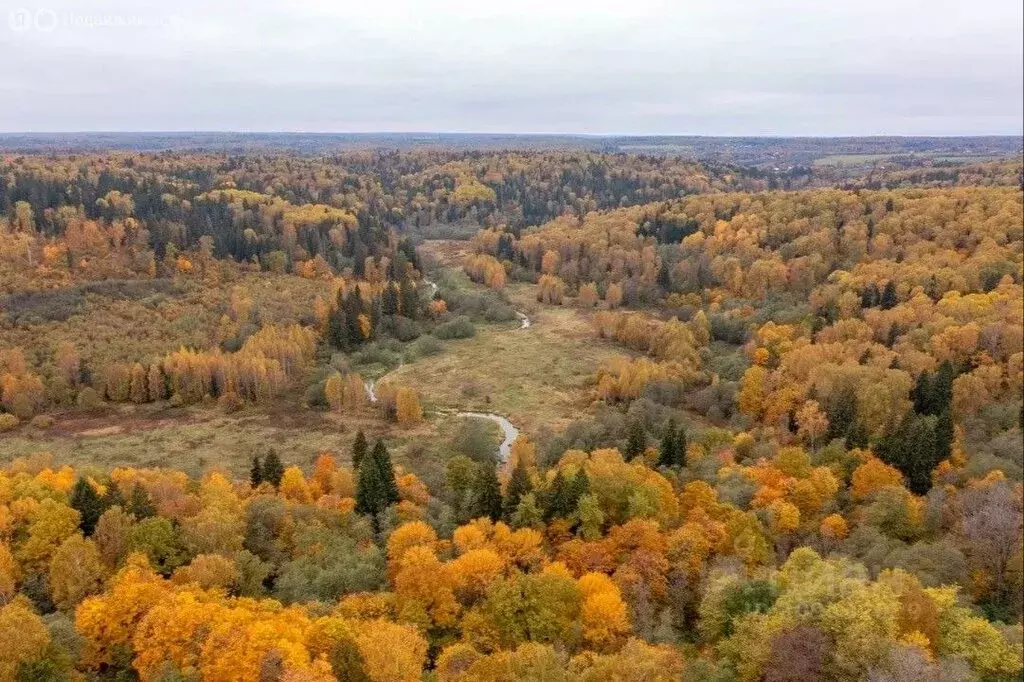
[394, 408]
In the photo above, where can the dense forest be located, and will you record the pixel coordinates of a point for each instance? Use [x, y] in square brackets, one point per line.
[758, 422]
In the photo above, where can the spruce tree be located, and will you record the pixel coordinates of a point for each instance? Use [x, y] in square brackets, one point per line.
[857, 436]
[944, 435]
[382, 460]
[888, 299]
[337, 328]
[359, 448]
[667, 450]
[922, 393]
[256, 472]
[912, 448]
[578, 487]
[557, 503]
[376, 489]
[518, 485]
[636, 439]
[273, 470]
[410, 299]
[369, 488]
[389, 300]
[86, 500]
[139, 504]
[841, 410]
[486, 493]
[937, 394]
[354, 307]
[113, 497]
[682, 442]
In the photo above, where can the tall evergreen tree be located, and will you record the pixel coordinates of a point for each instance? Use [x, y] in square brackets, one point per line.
[354, 307]
[369, 488]
[86, 500]
[556, 498]
[944, 435]
[888, 299]
[841, 410]
[933, 393]
[273, 469]
[256, 472]
[857, 436]
[382, 460]
[487, 493]
[912, 448]
[519, 484]
[389, 300]
[113, 497]
[376, 489]
[410, 299]
[667, 451]
[869, 296]
[139, 504]
[682, 443]
[664, 278]
[359, 448]
[337, 328]
[578, 487]
[636, 439]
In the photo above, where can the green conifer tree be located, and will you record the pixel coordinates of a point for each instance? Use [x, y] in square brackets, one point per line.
[273, 469]
[86, 500]
[519, 484]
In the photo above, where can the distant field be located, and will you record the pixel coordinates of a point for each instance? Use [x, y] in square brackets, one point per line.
[849, 159]
[857, 159]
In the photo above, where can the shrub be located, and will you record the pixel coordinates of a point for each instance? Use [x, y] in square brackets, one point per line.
[8, 422]
[729, 330]
[402, 328]
[42, 422]
[316, 397]
[459, 328]
[89, 399]
[231, 402]
[428, 345]
[383, 352]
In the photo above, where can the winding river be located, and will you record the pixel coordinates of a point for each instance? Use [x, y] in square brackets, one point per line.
[508, 429]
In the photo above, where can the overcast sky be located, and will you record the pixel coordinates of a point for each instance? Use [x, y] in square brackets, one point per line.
[709, 67]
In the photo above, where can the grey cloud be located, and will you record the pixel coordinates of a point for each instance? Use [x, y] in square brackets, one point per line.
[648, 66]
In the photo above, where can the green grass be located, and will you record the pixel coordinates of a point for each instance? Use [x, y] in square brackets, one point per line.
[540, 376]
[201, 439]
[850, 159]
[858, 159]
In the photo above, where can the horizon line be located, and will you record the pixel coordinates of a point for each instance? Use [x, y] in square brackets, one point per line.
[510, 134]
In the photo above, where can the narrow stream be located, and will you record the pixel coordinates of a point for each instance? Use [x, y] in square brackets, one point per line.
[371, 384]
[508, 429]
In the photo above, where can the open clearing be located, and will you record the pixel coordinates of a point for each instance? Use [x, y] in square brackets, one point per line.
[201, 439]
[536, 376]
[540, 376]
